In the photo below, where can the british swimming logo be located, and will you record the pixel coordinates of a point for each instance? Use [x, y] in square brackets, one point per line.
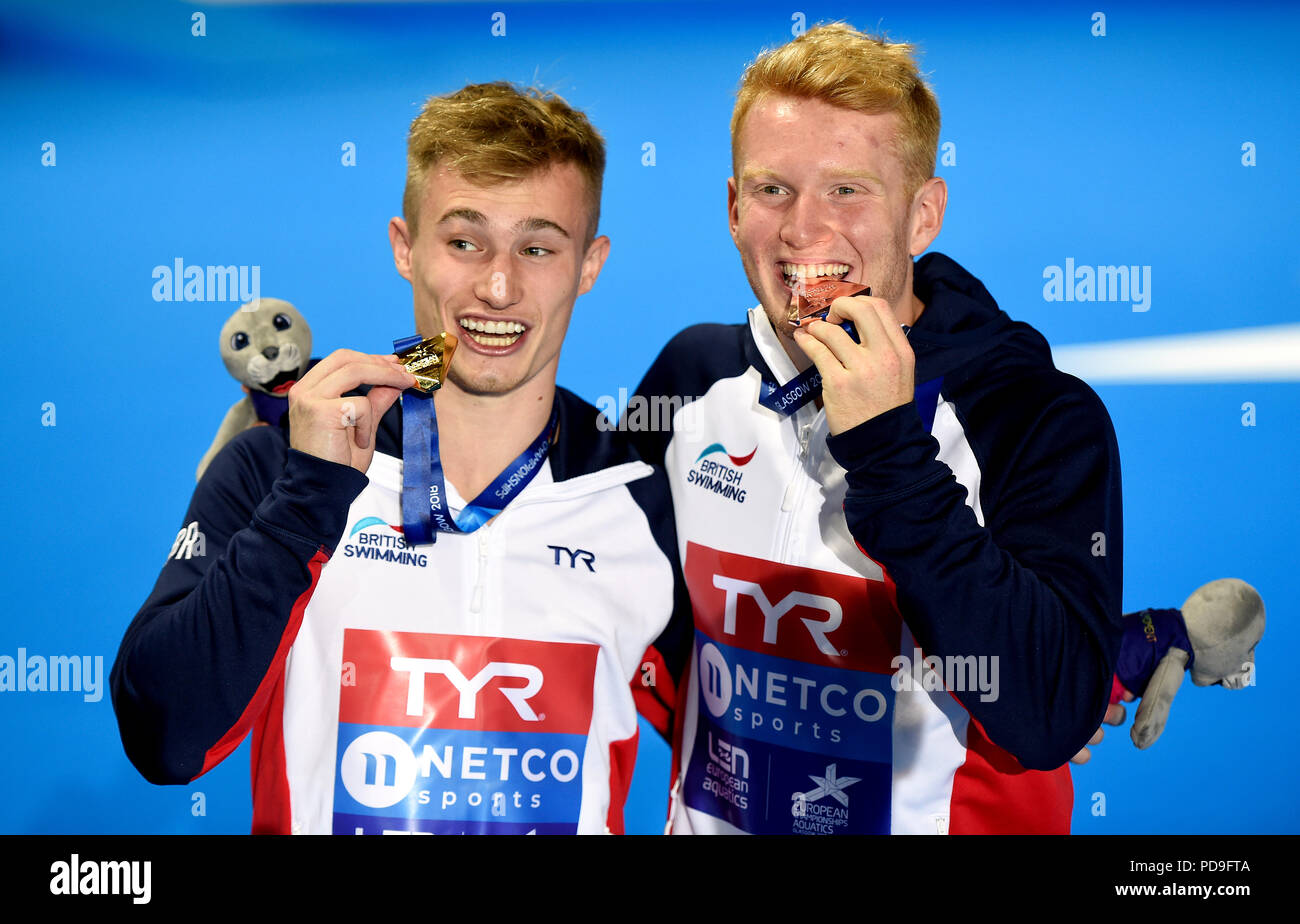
[377, 539]
[722, 477]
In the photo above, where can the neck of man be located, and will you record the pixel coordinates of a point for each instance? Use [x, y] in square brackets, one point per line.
[479, 435]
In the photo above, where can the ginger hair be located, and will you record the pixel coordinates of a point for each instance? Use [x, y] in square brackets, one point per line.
[839, 65]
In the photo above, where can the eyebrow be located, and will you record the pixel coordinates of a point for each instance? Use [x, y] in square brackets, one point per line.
[856, 175]
[539, 224]
[755, 173]
[474, 216]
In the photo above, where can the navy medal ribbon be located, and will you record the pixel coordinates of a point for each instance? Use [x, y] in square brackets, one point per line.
[424, 491]
[807, 386]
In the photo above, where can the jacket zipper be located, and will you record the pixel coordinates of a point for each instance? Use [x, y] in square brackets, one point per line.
[484, 532]
[793, 489]
[806, 459]
[476, 600]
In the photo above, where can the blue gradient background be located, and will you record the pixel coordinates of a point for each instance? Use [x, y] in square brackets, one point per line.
[226, 149]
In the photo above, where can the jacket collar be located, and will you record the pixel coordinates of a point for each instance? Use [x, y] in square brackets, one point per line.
[585, 456]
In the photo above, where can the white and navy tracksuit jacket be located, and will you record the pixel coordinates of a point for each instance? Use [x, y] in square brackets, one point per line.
[970, 539]
[480, 684]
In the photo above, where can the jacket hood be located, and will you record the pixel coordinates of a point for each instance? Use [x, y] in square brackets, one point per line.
[962, 322]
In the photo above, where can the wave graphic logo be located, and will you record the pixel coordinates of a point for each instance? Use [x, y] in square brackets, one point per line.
[372, 521]
[735, 460]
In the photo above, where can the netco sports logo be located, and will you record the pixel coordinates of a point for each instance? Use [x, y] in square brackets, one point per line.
[387, 543]
[794, 671]
[716, 475]
[453, 734]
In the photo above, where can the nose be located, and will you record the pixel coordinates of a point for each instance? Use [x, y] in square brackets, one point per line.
[497, 287]
[805, 222]
[271, 352]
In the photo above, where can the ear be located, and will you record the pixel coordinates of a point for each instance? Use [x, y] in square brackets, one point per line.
[399, 236]
[733, 208]
[928, 206]
[592, 261]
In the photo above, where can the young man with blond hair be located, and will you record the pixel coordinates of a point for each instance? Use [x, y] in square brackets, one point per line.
[902, 540]
[477, 683]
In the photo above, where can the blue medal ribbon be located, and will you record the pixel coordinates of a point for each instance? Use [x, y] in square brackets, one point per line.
[424, 491]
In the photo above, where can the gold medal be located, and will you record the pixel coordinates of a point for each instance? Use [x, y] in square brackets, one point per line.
[429, 360]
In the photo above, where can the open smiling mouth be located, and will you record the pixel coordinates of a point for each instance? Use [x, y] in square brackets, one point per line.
[493, 333]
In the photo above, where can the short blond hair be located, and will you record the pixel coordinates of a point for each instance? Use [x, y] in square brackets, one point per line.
[493, 133]
[839, 65]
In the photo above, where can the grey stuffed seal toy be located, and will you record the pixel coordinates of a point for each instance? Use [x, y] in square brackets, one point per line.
[1213, 638]
[266, 346]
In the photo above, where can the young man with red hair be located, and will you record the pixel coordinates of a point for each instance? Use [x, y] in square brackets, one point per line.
[902, 539]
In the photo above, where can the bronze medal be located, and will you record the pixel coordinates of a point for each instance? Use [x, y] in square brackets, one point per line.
[814, 301]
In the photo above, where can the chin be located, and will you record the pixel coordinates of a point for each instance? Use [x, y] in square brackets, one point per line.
[780, 321]
[483, 384]
[777, 308]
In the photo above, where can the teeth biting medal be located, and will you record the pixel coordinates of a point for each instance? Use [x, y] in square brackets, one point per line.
[813, 303]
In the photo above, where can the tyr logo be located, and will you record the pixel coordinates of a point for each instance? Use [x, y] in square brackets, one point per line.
[851, 621]
[818, 629]
[575, 556]
[469, 688]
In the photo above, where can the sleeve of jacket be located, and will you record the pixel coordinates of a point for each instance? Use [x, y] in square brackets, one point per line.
[657, 385]
[201, 658]
[676, 377]
[655, 689]
[1038, 586]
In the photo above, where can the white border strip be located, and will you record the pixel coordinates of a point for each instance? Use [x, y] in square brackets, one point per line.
[1257, 354]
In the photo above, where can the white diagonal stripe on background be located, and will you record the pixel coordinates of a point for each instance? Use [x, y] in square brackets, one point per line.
[1256, 354]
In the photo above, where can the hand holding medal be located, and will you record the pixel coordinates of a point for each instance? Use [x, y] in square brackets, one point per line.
[857, 345]
[328, 425]
[428, 359]
[425, 510]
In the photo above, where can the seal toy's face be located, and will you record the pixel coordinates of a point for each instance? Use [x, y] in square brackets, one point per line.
[266, 345]
[1225, 621]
